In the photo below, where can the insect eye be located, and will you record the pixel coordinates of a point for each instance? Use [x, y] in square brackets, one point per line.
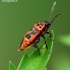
[28, 36]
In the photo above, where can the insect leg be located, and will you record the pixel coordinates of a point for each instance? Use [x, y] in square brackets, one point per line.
[48, 32]
[35, 45]
[37, 41]
[45, 43]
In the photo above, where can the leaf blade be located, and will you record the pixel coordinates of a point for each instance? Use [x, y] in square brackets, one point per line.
[23, 60]
[11, 66]
[36, 62]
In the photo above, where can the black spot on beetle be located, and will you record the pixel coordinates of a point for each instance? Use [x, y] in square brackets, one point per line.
[40, 25]
[28, 36]
[37, 24]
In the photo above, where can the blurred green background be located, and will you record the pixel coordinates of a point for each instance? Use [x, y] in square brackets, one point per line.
[17, 18]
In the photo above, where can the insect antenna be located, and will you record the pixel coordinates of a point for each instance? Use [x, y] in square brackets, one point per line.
[52, 10]
[55, 17]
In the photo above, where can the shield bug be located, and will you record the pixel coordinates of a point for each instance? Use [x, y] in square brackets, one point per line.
[32, 37]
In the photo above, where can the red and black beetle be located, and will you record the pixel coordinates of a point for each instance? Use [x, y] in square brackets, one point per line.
[32, 37]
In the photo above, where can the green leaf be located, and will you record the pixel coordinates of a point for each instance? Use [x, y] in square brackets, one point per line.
[65, 39]
[11, 66]
[35, 61]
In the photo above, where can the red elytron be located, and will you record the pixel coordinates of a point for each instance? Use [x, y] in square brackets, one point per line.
[32, 37]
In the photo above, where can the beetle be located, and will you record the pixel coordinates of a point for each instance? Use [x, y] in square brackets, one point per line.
[32, 37]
